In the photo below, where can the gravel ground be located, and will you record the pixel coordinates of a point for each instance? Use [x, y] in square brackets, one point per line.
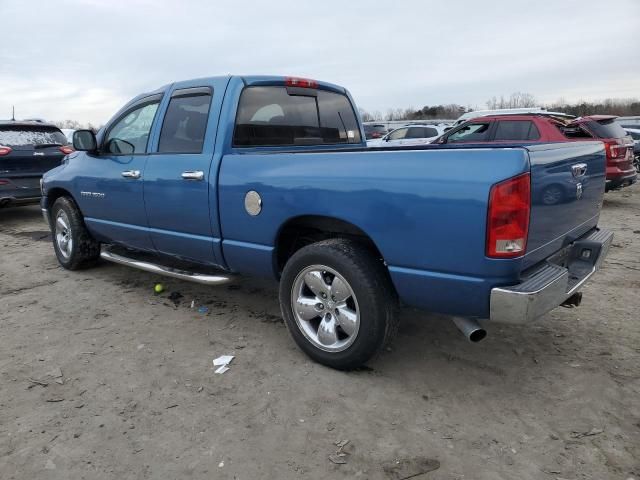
[101, 378]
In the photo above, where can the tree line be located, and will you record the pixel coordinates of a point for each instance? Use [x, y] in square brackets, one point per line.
[610, 106]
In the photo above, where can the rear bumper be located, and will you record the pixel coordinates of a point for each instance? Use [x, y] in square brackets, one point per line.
[548, 285]
[19, 191]
[13, 201]
[622, 181]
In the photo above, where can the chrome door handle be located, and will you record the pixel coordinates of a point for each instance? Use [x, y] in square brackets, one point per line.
[193, 175]
[131, 174]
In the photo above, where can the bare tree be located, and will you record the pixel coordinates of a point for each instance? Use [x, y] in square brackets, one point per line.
[515, 100]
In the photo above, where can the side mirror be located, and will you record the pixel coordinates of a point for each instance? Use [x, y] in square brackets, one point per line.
[85, 141]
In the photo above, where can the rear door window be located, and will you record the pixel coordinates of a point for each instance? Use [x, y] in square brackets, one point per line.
[22, 137]
[185, 122]
[422, 132]
[473, 132]
[516, 130]
[271, 116]
[606, 129]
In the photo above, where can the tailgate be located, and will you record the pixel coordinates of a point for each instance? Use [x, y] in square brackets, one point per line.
[29, 162]
[567, 185]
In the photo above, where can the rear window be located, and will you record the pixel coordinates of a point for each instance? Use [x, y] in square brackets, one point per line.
[516, 130]
[16, 136]
[270, 116]
[606, 129]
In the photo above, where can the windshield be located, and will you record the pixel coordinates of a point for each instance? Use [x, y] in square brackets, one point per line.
[17, 136]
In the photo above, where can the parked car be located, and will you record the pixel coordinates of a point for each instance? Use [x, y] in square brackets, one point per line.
[619, 146]
[544, 127]
[409, 135]
[27, 150]
[206, 179]
[634, 133]
[68, 132]
[374, 131]
[505, 111]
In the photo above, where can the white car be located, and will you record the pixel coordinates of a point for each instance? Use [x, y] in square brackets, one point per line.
[408, 135]
[68, 132]
[634, 133]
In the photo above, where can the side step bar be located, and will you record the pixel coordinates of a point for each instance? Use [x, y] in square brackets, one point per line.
[203, 278]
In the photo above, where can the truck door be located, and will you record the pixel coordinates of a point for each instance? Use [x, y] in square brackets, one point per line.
[180, 185]
[110, 191]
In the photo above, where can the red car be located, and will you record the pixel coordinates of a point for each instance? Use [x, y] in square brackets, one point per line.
[618, 145]
[547, 128]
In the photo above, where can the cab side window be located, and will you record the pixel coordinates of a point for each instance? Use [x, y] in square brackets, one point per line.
[185, 122]
[473, 132]
[130, 134]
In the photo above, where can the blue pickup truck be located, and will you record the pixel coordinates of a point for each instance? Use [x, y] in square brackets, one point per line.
[263, 175]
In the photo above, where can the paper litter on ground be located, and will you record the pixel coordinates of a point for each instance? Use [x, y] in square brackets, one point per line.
[222, 360]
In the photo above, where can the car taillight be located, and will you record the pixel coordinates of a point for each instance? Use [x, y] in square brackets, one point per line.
[66, 149]
[508, 217]
[300, 82]
[4, 182]
[4, 150]
[614, 149]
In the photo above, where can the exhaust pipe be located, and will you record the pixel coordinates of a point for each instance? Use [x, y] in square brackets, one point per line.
[470, 329]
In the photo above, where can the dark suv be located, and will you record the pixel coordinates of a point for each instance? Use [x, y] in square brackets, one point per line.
[27, 150]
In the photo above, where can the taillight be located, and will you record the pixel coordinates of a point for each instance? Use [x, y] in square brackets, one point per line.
[300, 82]
[66, 149]
[4, 150]
[614, 149]
[4, 182]
[508, 217]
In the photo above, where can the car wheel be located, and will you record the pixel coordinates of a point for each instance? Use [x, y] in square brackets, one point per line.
[552, 195]
[338, 303]
[73, 244]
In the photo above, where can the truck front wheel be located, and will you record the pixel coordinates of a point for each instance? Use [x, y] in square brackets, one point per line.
[73, 244]
[338, 303]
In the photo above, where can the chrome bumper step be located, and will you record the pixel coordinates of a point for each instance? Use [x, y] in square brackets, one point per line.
[108, 254]
[551, 285]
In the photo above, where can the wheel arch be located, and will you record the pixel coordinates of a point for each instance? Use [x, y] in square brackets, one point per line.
[303, 230]
[54, 194]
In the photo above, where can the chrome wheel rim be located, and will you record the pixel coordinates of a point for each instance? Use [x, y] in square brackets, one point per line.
[325, 308]
[64, 239]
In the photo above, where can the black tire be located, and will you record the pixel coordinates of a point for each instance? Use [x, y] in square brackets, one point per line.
[369, 281]
[84, 250]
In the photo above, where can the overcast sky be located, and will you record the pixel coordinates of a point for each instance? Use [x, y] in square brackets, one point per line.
[83, 59]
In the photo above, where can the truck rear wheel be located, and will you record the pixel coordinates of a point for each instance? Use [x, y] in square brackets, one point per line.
[72, 242]
[338, 303]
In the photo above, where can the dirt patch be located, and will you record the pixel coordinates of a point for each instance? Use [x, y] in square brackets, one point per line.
[102, 378]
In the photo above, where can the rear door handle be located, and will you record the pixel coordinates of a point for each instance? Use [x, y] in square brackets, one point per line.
[193, 175]
[131, 174]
